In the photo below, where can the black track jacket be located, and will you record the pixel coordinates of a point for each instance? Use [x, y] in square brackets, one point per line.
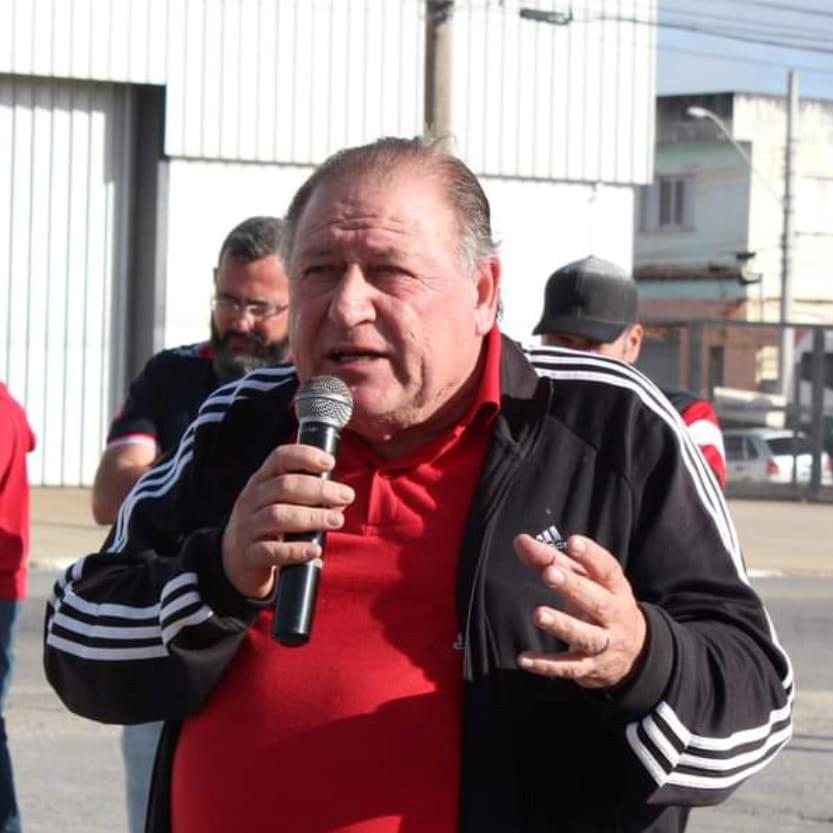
[583, 444]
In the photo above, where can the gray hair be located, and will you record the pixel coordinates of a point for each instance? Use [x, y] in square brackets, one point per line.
[387, 156]
[253, 239]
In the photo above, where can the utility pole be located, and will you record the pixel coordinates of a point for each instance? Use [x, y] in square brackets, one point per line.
[438, 70]
[786, 358]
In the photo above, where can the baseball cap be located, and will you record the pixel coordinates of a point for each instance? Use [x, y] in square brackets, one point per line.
[593, 298]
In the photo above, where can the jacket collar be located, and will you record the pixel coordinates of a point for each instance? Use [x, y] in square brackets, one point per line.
[525, 397]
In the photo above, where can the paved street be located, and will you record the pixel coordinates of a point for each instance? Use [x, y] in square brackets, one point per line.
[69, 770]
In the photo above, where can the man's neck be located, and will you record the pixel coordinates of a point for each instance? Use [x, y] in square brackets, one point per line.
[407, 440]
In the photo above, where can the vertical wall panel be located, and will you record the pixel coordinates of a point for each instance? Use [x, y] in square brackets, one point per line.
[60, 39]
[55, 382]
[267, 116]
[17, 322]
[7, 167]
[212, 74]
[252, 63]
[64, 243]
[194, 81]
[316, 91]
[156, 47]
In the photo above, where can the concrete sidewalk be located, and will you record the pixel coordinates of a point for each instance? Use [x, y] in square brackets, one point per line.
[62, 527]
[776, 536]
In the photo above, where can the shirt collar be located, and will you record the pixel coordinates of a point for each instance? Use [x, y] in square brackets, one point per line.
[487, 401]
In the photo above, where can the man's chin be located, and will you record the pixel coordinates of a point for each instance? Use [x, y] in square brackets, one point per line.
[229, 366]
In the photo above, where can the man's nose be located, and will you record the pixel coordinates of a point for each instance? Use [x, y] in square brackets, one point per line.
[243, 320]
[352, 299]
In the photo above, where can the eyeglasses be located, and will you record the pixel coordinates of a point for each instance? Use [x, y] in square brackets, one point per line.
[226, 305]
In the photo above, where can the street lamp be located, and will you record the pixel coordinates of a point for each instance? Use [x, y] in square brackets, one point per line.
[785, 200]
[542, 16]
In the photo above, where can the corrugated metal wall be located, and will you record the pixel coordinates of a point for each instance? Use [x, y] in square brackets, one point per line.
[291, 81]
[63, 226]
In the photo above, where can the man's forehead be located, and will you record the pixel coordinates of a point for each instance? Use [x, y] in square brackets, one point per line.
[383, 212]
[375, 194]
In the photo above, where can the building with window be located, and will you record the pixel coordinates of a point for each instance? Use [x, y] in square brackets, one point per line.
[138, 132]
[708, 230]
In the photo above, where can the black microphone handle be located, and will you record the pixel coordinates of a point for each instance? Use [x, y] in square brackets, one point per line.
[298, 583]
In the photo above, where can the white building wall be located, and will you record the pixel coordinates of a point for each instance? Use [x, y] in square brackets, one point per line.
[291, 81]
[763, 119]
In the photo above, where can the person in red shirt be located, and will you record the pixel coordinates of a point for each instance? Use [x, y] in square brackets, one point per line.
[591, 304]
[16, 441]
[533, 612]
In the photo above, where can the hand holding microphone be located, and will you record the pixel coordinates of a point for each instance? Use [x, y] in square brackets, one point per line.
[281, 517]
[323, 407]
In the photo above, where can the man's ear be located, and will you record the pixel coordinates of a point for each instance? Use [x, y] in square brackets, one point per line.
[487, 286]
[633, 343]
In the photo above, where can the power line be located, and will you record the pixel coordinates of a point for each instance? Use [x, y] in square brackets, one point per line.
[764, 26]
[740, 59]
[726, 57]
[714, 33]
[786, 7]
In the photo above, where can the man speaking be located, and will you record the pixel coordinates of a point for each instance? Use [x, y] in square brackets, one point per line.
[533, 613]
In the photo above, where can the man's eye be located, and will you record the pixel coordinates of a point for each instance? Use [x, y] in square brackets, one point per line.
[320, 271]
[388, 271]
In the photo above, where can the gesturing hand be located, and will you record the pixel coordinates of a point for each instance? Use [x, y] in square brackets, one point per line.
[286, 494]
[601, 624]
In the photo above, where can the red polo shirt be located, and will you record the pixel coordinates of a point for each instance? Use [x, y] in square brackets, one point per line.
[358, 730]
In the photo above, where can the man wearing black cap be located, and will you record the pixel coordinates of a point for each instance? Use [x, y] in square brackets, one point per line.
[591, 304]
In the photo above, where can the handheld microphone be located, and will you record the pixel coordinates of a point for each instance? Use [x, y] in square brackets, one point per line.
[323, 406]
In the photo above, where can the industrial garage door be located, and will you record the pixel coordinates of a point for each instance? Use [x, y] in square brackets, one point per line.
[65, 151]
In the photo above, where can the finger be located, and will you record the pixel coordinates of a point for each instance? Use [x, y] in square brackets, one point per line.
[533, 553]
[283, 553]
[581, 637]
[597, 562]
[295, 457]
[585, 598]
[565, 666]
[301, 489]
[538, 555]
[273, 522]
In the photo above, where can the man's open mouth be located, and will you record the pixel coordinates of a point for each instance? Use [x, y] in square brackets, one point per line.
[347, 356]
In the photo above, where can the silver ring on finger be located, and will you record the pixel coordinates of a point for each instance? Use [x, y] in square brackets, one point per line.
[603, 648]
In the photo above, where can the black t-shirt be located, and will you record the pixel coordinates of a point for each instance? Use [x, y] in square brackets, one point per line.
[165, 397]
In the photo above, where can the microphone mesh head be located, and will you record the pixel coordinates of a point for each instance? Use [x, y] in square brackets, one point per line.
[324, 399]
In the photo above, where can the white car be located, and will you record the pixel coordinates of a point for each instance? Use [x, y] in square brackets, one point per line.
[766, 455]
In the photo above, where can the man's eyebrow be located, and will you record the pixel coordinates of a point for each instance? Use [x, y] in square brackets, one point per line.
[316, 251]
[232, 297]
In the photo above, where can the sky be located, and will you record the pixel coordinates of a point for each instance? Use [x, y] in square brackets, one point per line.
[745, 46]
